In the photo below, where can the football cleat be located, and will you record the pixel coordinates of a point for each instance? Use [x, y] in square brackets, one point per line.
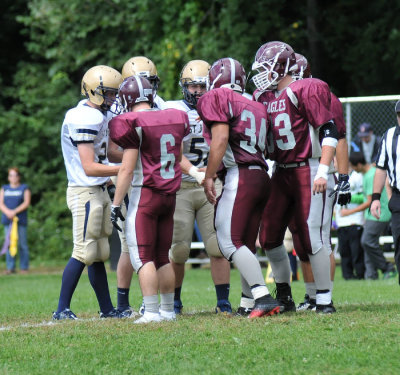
[325, 309]
[127, 313]
[309, 304]
[243, 311]
[141, 308]
[265, 306]
[114, 313]
[65, 314]
[284, 297]
[167, 315]
[178, 306]
[149, 317]
[224, 307]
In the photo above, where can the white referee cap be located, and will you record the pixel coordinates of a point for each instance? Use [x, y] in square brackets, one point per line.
[397, 106]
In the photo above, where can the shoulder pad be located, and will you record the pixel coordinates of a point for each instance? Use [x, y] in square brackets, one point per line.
[84, 115]
[177, 104]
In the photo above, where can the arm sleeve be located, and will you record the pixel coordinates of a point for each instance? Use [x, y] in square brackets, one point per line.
[316, 103]
[381, 157]
[214, 106]
[84, 124]
[186, 122]
[122, 132]
[337, 113]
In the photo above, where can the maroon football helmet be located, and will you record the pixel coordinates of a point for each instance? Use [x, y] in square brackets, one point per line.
[303, 67]
[227, 72]
[133, 90]
[273, 61]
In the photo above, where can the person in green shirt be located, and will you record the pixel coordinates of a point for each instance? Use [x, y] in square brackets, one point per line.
[373, 228]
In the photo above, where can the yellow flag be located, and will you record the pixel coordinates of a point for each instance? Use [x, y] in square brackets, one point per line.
[14, 237]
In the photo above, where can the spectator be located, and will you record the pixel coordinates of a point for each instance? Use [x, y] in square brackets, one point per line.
[366, 142]
[373, 228]
[15, 199]
[350, 228]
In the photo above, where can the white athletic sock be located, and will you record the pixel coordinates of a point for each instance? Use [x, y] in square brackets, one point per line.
[259, 291]
[324, 298]
[248, 303]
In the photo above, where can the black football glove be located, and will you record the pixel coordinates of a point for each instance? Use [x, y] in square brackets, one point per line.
[111, 191]
[115, 215]
[342, 189]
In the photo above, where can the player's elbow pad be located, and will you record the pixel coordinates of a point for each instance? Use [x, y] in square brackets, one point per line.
[330, 134]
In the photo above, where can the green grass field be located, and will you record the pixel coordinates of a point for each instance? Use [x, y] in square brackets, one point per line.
[363, 337]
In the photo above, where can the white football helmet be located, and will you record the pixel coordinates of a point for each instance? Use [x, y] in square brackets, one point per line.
[195, 72]
[141, 66]
[100, 85]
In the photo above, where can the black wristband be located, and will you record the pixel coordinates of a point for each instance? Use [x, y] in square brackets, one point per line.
[343, 177]
[376, 197]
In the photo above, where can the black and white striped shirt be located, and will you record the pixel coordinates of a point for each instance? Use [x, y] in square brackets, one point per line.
[388, 157]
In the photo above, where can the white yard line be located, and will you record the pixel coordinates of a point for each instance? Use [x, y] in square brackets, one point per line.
[44, 324]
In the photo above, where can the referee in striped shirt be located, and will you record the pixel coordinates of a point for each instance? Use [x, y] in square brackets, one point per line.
[388, 163]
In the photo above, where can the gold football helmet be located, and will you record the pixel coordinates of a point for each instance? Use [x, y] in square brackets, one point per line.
[100, 85]
[141, 66]
[195, 72]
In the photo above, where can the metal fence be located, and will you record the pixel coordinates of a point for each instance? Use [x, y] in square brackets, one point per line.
[375, 110]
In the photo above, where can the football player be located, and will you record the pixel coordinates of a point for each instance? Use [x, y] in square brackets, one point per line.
[191, 202]
[238, 128]
[144, 67]
[303, 143]
[151, 140]
[84, 140]
[342, 188]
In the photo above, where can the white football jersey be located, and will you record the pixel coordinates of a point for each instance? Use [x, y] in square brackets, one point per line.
[159, 102]
[195, 147]
[84, 124]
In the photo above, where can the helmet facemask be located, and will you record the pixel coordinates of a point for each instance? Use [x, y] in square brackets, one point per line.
[274, 60]
[192, 98]
[110, 102]
[195, 72]
[267, 78]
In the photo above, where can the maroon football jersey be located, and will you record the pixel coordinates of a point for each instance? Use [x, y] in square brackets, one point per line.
[295, 115]
[158, 135]
[337, 112]
[247, 125]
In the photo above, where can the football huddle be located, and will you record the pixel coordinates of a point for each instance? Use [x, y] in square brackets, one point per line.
[244, 169]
